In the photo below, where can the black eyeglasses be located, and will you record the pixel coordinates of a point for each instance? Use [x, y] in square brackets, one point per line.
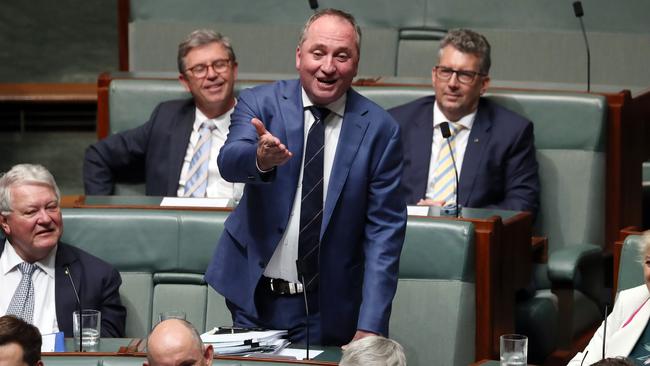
[201, 70]
[463, 76]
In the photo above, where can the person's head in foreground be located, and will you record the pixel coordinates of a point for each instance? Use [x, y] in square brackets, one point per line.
[615, 361]
[373, 351]
[175, 342]
[20, 343]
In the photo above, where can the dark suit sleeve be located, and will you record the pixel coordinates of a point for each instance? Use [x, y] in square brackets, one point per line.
[521, 190]
[384, 238]
[120, 157]
[113, 313]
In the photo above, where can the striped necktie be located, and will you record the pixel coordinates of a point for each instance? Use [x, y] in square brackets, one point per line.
[311, 206]
[196, 183]
[22, 303]
[444, 184]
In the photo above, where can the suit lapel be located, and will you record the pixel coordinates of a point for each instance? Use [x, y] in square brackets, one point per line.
[479, 138]
[293, 120]
[353, 128]
[623, 341]
[421, 143]
[181, 129]
[64, 296]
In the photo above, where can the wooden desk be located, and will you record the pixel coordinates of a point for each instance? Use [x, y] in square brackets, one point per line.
[117, 347]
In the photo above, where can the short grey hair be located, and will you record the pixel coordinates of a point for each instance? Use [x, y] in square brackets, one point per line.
[468, 41]
[24, 174]
[336, 13]
[644, 246]
[201, 37]
[373, 351]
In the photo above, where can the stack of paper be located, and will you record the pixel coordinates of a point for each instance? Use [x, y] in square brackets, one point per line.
[228, 341]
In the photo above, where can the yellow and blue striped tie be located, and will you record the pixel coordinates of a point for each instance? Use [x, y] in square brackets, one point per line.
[444, 184]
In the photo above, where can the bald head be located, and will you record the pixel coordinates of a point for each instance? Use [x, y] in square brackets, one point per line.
[175, 342]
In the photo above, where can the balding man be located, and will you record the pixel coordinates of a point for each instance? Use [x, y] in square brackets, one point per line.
[175, 342]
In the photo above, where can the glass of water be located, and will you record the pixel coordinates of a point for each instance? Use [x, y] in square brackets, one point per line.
[514, 350]
[90, 323]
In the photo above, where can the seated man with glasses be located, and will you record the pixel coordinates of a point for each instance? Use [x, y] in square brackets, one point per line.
[493, 148]
[175, 152]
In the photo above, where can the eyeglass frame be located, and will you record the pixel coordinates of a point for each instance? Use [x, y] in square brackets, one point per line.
[459, 73]
[217, 69]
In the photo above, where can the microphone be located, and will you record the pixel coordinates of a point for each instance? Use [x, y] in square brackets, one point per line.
[578, 11]
[301, 267]
[66, 269]
[446, 134]
[313, 4]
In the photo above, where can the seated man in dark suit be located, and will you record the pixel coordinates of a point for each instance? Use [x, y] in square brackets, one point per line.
[40, 276]
[493, 148]
[20, 343]
[175, 152]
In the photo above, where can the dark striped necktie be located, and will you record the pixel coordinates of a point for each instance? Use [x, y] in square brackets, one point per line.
[311, 206]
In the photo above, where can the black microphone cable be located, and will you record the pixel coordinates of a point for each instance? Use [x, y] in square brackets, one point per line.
[579, 12]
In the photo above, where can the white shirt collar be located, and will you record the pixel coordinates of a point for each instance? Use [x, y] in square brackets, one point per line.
[10, 259]
[439, 117]
[222, 122]
[337, 107]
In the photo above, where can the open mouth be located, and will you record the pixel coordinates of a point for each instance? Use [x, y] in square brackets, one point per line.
[326, 81]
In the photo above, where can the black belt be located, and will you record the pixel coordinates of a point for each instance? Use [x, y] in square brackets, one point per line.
[279, 286]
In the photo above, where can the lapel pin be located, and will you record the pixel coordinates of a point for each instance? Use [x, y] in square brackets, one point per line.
[475, 140]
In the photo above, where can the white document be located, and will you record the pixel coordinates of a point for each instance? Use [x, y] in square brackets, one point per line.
[194, 202]
[255, 336]
[417, 210]
[49, 341]
[299, 354]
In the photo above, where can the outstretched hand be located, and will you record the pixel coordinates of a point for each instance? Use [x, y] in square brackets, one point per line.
[270, 151]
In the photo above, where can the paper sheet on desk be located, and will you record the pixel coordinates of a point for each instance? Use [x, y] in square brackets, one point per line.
[417, 210]
[53, 342]
[194, 202]
[241, 337]
[299, 354]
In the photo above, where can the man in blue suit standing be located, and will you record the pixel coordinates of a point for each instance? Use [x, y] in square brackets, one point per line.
[494, 148]
[322, 211]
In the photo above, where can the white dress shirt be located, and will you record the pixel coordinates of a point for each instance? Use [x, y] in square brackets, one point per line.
[217, 186]
[43, 280]
[283, 262]
[460, 144]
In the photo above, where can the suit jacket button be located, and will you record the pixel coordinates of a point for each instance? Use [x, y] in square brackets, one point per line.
[251, 177]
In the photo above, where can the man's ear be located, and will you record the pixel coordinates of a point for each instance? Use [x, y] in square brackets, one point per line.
[208, 354]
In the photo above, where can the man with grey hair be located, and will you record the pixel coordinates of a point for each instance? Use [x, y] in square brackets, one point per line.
[176, 342]
[175, 152]
[40, 276]
[373, 351]
[493, 148]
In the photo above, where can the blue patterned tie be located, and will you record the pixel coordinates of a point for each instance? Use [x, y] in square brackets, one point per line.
[22, 303]
[197, 183]
[311, 206]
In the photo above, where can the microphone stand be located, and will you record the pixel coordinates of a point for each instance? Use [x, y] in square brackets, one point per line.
[578, 11]
[76, 294]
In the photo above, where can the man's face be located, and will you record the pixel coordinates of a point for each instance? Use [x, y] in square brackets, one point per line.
[34, 225]
[213, 93]
[328, 59]
[454, 98]
[172, 344]
[11, 354]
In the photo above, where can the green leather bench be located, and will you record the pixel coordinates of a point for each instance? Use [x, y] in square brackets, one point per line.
[162, 254]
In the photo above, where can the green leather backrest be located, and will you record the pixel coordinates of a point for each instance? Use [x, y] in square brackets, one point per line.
[436, 290]
[162, 255]
[630, 269]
